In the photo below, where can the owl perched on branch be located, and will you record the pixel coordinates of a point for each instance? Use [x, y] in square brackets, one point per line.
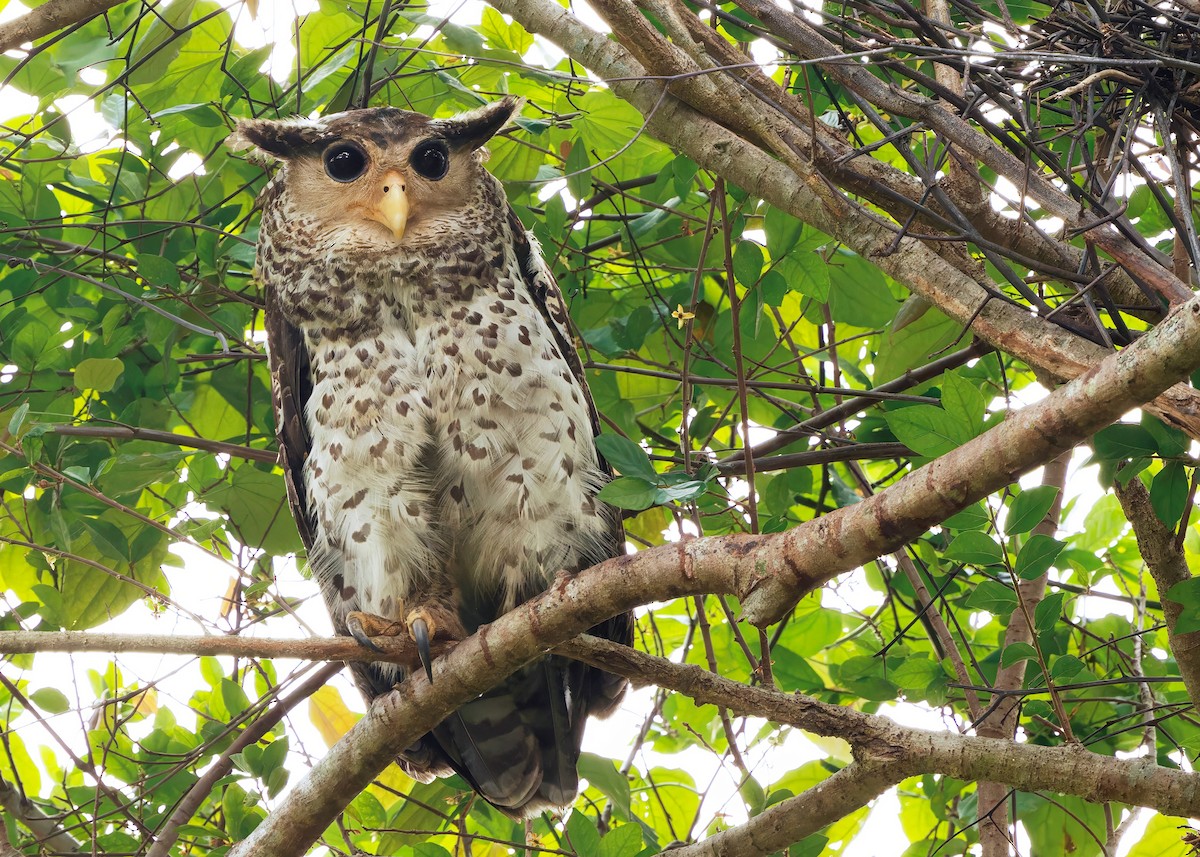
[435, 426]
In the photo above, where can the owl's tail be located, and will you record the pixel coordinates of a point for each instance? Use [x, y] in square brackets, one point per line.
[518, 744]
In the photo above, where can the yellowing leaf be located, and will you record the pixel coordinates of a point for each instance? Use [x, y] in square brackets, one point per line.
[330, 715]
[98, 373]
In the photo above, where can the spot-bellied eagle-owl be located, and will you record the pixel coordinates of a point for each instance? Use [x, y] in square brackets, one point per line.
[436, 430]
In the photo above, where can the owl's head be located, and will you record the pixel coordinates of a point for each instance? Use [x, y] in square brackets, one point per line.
[379, 174]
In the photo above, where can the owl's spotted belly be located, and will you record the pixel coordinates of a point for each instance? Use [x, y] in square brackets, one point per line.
[457, 453]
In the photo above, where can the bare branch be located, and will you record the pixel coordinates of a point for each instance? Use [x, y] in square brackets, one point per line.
[1039, 343]
[50, 17]
[391, 649]
[117, 432]
[1166, 562]
[49, 833]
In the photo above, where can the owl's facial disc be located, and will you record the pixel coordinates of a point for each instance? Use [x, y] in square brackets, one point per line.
[392, 208]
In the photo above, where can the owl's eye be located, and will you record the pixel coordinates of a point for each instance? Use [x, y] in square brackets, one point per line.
[431, 159]
[345, 162]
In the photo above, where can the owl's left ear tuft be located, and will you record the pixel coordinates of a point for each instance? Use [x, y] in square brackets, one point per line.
[472, 129]
[281, 139]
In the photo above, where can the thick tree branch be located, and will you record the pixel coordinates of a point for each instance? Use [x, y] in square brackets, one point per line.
[897, 752]
[48, 832]
[1039, 343]
[50, 17]
[788, 821]
[1167, 564]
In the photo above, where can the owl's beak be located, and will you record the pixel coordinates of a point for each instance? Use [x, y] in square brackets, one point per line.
[392, 210]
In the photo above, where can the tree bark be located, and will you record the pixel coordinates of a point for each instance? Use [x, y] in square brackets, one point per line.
[50, 17]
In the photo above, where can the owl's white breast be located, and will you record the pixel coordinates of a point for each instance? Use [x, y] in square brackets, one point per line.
[454, 439]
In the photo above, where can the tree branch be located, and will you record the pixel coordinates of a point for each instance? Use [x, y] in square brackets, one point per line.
[343, 649]
[48, 832]
[50, 17]
[907, 751]
[1039, 343]
[1167, 564]
[117, 432]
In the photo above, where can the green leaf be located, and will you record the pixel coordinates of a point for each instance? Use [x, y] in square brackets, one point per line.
[605, 776]
[747, 263]
[1187, 594]
[1048, 611]
[916, 673]
[1036, 557]
[994, 597]
[582, 835]
[1169, 492]
[98, 373]
[626, 457]
[928, 430]
[1017, 652]
[858, 293]
[51, 700]
[975, 548]
[236, 701]
[1123, 440]
[1028, 508]
[576, 169]
[621, 841]
[256, 503]
[783, 232]
[974, 517]
[1066, 666]
[964, 401]
[1171, 441]
[18, 419]
[157, 271]
[629, 492]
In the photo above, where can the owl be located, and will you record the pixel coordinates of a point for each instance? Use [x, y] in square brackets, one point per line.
[435, 428]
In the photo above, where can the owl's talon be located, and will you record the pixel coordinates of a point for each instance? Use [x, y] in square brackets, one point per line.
[420, 633]
[363, 626]
[357, 632]
[421, 628]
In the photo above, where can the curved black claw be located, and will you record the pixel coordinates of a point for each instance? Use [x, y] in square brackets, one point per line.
[357, 632]
[420, 633]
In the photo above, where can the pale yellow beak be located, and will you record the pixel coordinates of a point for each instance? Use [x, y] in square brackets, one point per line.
[392, 210]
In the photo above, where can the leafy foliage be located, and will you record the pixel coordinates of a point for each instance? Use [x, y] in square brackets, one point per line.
[137, 458]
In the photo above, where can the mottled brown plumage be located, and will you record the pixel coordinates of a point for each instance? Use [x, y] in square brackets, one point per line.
[435, 427]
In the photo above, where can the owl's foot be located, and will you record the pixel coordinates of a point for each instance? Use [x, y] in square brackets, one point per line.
[364, 626]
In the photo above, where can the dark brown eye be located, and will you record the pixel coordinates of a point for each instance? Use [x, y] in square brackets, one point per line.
[345, 162]
[431, 159]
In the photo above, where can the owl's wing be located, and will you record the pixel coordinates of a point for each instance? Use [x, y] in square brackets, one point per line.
[291, 385]
[548, 299]
[602, 691]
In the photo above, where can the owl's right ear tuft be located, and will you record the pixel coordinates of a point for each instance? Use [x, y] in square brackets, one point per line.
[281, 139]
